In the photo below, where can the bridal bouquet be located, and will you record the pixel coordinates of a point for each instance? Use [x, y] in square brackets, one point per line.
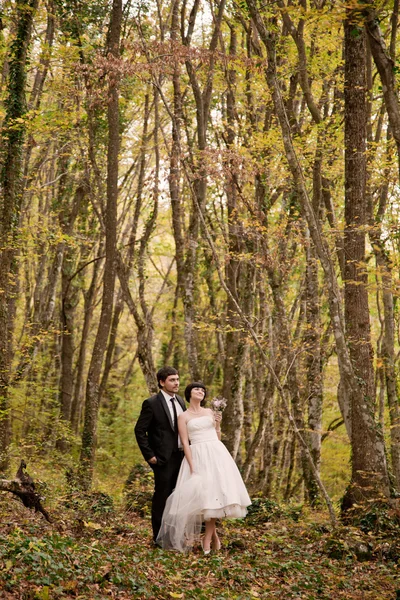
[218, 404]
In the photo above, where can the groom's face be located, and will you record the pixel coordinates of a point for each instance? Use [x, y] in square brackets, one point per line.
[171, 384]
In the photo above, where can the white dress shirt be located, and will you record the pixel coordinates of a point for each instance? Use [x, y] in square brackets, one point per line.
[179, 411]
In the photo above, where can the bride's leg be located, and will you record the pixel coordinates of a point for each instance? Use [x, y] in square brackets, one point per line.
[209, 533]
[216, 543]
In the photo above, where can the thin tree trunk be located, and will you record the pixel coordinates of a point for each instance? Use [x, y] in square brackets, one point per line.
[88, 309]
[235, 343]
[314, 386]
[70, 294]
[385, 65]
[40, 78]
[389, 371]
[119, 307]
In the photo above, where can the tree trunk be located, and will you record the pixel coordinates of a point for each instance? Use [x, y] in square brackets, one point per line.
[13, 134]
[236, 348]
[93, 382]
[144, 349]
[314, 388]
[88, 309]
[387, 354]
[70, 293]
[369, 473]
[119, 307]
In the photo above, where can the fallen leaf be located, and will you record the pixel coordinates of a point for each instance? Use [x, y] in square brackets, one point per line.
[92, 525]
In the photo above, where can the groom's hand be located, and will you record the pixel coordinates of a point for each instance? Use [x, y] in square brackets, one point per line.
[153, 461]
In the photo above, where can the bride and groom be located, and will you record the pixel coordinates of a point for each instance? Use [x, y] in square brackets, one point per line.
[195, 478]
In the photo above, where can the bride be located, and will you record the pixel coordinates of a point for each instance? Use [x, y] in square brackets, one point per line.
[209, 484]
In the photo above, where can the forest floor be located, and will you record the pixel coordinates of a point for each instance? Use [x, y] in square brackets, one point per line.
[93, 550]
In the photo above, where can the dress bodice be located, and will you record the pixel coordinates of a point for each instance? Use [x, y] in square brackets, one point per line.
[201, 429]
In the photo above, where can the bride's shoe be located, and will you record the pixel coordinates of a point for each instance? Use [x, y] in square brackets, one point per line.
[216, 543]
[205, 551]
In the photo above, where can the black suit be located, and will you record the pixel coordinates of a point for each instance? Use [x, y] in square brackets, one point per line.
[156, 436]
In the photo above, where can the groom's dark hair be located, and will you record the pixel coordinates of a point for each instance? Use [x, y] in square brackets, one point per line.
[165, 372]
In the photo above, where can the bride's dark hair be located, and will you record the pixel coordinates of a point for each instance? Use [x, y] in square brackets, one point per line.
[196, 384]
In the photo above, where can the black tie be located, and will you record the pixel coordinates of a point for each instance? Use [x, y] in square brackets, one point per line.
[175, 422]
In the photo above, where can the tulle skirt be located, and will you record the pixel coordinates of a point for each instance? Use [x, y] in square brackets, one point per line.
[215, 490]
[182, 517]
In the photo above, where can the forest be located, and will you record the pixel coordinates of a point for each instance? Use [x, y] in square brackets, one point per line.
[211, 185]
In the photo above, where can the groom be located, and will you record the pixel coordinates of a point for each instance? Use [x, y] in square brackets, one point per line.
[156, 433]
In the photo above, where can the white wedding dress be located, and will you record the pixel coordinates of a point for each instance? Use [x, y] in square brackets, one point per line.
[214, 490]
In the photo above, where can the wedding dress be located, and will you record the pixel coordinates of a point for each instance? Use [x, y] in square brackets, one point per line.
[214, 490]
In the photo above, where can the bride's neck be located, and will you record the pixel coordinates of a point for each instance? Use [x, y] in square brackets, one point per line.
[195, 408]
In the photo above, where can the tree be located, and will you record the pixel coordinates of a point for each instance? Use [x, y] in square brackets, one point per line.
[110, 223]
[369, 472]
[13, 135]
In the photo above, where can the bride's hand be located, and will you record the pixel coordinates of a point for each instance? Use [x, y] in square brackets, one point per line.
[218, 417]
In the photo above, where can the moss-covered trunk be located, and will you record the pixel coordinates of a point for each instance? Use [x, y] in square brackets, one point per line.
[12, 140]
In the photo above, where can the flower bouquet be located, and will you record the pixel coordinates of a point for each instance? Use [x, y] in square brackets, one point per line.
[218, 404]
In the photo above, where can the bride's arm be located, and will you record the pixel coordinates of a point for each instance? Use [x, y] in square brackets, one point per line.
[217, 422]
[183, 434]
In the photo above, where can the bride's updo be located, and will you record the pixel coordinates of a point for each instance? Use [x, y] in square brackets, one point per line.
[196, 384]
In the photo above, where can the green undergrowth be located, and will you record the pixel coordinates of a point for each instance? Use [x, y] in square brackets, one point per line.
[98, 548]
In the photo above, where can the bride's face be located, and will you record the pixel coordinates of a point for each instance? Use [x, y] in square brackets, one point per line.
[197, 393]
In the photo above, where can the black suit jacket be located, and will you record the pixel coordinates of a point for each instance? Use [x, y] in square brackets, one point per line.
[154, 429]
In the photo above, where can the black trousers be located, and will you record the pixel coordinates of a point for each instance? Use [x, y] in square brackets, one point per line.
[165, 477]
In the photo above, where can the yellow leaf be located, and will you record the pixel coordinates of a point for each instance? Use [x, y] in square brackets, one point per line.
[8, 565]
[92, 525]
[173, 595]
[44, 593]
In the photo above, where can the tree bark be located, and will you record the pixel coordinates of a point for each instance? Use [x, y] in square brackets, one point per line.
[236, 348]
[387, 353]
[93, 381]
[369, 472]
[88, 308]
[69, 302]
[13, 134]
[314, 387]
[312, 341]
